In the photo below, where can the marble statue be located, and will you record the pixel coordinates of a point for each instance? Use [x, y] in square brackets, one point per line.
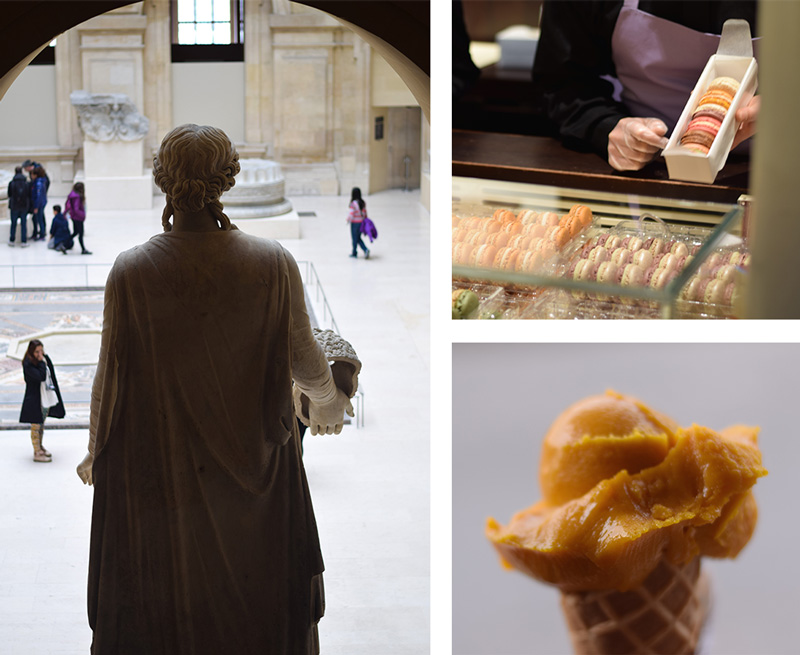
[203, 537]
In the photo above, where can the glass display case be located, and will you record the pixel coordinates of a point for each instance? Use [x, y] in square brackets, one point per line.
[530, 251]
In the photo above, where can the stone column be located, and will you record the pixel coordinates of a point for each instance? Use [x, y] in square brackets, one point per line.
[258, 91]
[157, 73]
[114, 133]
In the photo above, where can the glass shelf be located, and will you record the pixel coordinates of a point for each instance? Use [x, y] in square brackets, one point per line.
[703, 279]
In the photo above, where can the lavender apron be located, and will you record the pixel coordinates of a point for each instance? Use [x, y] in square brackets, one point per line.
[658, 62]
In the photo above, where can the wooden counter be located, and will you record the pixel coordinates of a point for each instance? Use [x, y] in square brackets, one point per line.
[543, 160]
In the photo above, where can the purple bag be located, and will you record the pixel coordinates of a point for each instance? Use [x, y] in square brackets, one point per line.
[368, 228]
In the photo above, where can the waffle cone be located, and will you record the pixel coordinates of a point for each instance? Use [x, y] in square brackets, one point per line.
[665, 615]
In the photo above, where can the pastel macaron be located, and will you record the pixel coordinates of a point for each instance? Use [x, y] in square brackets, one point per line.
[483, 256]
[728, 85]
[506, 258]
[462, 252]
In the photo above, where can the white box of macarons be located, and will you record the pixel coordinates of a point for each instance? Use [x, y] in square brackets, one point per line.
[703, 136]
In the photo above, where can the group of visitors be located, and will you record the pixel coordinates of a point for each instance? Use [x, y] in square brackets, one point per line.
[28, 196]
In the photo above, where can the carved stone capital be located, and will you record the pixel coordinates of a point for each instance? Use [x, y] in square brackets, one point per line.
[109, 116]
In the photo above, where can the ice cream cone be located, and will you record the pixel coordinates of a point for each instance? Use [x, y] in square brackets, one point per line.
[665, 615]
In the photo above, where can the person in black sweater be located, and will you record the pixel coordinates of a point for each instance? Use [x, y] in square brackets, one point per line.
[615, 74]
[42, 396]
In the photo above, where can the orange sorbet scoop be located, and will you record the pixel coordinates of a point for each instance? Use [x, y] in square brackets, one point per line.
[625, 487]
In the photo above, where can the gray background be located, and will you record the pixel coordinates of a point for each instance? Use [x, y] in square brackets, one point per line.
[504, 398]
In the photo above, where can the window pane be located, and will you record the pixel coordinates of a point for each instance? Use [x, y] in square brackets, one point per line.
[222, 10]
[204, 33]
[185, 11]
[222, 33]
[186, 34]
[204, 10]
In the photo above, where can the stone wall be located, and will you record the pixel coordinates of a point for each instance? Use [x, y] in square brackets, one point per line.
[307, 95]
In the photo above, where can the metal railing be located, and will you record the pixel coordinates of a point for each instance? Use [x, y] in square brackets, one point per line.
[53, 276]
[39, 276]
[319, 300]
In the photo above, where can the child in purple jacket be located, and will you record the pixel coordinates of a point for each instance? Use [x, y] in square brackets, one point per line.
[75, 208]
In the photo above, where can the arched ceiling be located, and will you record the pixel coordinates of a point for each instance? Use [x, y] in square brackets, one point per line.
[398, 29]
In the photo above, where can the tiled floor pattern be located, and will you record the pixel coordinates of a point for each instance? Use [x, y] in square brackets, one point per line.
[370, 486]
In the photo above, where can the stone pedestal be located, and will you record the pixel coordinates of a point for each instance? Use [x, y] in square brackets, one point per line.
[113, 151]
[256, 203]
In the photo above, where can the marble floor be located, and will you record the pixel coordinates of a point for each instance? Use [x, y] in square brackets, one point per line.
[370, 485]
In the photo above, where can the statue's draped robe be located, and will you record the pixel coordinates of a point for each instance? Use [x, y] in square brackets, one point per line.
[203, 535]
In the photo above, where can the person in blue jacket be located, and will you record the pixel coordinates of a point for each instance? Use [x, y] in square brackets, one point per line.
[38, 202]
[59, 230]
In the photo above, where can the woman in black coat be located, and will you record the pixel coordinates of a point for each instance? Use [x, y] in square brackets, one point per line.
[42, 396]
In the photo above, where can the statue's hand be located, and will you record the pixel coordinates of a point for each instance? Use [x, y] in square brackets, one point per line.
[85, 469]
[329, 418]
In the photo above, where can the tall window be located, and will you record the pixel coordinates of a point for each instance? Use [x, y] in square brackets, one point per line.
[207, 30]
[207, 22]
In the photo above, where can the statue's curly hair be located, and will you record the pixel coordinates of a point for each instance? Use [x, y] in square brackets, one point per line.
[194, 166]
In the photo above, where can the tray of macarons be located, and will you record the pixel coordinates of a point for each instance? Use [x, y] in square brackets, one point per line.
[637, 268]
[514, 245]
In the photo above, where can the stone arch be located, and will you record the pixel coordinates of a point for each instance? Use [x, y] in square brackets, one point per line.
[398, 29]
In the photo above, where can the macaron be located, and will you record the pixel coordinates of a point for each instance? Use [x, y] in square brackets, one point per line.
[527, 216]
[492, 226]
[622, 256]
[456, 220]
[477, 237]
[726, 273]
[632, 276]
[549, 219]
[679, 249]
[513, 227]
[716, 112]
[731, 294]
[598, 255]
[735, 258]
[521, 241]
[669, 262]
[661, 278]
[585, 270]
[530, 262]
[704, 124]
[607, 272]
[483, 256]
[548, 250]
[690, 291]
[574, 226]
[715, 292]
[462, 252]
[613, 242]
[728, 85]
[504, 215]
[459, 234]
[582, 213]
[716, 97]
[560, 236]
[506, 258]
[465, 301]
[498, 239]
[643, 258]
[536, 244]
[635, 244]
[534, 229]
